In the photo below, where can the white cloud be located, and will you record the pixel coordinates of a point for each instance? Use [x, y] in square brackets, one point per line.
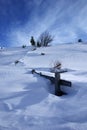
[62, 18]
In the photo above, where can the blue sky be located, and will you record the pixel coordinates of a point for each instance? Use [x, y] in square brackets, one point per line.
[66, 20]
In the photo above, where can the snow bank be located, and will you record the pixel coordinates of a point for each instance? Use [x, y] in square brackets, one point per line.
[27, 101]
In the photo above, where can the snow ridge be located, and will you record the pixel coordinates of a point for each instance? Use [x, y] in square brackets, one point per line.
[27, 101]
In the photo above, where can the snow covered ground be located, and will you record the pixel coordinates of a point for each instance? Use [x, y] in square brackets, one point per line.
[27, 101]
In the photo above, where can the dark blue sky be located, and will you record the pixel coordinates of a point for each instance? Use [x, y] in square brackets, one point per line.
[20, 19]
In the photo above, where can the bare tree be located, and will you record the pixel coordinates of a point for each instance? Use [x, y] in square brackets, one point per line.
[45, 38]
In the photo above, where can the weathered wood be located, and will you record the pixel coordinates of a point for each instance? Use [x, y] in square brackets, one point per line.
[65, 83]
[59, 70]
[58, 91]
[57, 83]
[52, 79]
[56, 80]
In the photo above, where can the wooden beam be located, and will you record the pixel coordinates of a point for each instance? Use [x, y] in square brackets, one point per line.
[56, 80]
[65, 83]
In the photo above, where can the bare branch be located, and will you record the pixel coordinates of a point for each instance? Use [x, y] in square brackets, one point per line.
[45, 38]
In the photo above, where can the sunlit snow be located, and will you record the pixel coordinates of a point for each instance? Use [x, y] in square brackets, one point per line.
[27, 101]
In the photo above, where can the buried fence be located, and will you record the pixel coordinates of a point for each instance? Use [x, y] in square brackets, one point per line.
[56, 80]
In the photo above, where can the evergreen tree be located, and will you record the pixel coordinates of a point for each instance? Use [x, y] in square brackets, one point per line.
[32, 41]
[38, 44]
[79, 40]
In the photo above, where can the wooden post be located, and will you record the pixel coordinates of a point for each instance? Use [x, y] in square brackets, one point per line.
[57, 83]
[58, 91]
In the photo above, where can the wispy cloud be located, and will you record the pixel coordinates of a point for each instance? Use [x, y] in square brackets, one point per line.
[72, 24]
[64, 19]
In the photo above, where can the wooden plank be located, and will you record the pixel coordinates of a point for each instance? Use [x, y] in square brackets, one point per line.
[57, 81]
[59, 70]
[65, 83]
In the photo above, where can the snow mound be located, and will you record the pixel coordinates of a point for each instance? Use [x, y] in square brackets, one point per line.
[27, 100]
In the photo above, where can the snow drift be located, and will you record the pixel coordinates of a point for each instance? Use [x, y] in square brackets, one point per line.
[28, 102]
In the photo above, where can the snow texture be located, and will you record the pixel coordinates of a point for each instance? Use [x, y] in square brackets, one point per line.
[27, 101]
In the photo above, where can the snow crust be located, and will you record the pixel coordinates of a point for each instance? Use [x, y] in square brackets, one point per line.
[27, 101]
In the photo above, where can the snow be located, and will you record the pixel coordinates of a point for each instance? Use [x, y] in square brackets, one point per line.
[27, 100]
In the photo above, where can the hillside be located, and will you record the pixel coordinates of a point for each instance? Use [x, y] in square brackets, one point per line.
[27, 101]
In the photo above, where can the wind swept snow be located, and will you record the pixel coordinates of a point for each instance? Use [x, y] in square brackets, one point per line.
[27, 100]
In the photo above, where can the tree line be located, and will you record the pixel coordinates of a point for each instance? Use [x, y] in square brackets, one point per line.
[44, 40]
